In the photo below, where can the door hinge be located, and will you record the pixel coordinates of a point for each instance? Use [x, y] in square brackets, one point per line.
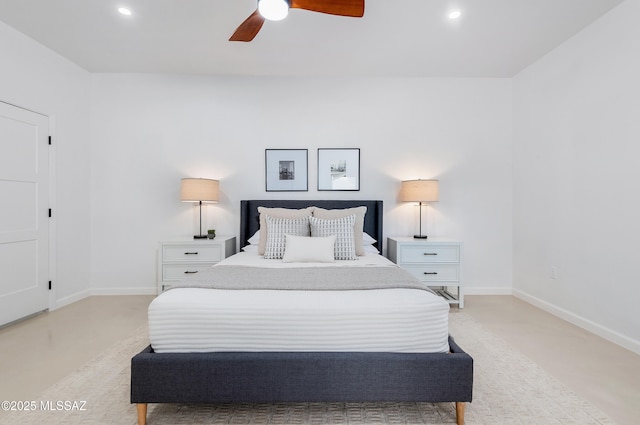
[49, 212]
[49, 139]
[49, 285]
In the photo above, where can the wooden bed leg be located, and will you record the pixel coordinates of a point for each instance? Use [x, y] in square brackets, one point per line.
[142, 413]
[460, 412]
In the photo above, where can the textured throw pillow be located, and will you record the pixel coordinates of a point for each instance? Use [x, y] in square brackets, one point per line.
[303, 249]
[277, 228]
[342, 228]
[280, 213]
[339, 213]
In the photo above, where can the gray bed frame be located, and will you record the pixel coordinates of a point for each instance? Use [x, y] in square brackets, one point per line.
[276, 377]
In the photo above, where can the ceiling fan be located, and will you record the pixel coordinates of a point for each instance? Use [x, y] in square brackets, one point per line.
[278, 9]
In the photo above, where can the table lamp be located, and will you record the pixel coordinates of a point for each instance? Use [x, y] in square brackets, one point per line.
[419, 191]
[199, 190]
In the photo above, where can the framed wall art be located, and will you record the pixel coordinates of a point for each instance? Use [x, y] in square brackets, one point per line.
[286, 170]
[338, 169]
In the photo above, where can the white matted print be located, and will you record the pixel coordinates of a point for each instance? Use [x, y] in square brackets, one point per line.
[338, 169]
[286, 170]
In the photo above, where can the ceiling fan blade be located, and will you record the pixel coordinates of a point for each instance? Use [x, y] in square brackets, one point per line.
[353, 8]
[249, 28]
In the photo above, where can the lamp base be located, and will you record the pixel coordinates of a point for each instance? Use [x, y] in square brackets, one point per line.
[419, 236]
[199, 236]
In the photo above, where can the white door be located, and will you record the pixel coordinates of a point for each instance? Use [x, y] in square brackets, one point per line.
[24, 213]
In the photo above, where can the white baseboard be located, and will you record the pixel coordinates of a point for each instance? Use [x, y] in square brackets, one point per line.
[601, 331]
[487, 290]
[122, 291]
[71, 299]
[102, 291]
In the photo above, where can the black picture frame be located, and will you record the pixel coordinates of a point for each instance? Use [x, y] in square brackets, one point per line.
[286, 170]
[339, 169]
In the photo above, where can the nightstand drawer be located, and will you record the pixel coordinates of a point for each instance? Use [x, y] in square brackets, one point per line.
[435, 272]
[178, 260]
[429, 254]
[190, 253]
[181, 271]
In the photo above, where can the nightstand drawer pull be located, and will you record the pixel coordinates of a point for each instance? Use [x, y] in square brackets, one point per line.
[190, 272]
[430, 253]
[430, 273]
[191, 253]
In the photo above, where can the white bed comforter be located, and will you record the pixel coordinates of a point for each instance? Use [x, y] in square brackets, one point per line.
[377, 320]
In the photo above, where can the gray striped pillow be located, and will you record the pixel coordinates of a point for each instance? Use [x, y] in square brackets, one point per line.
[342, 228]
[277, 228]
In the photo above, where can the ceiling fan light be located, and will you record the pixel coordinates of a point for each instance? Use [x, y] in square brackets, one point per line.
[273, 10]
[455, 14]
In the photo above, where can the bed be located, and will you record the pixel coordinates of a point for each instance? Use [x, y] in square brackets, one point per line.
[257, 374]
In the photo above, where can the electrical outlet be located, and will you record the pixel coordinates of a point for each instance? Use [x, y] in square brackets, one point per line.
[554, 273]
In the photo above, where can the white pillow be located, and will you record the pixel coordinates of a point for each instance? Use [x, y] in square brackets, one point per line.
[277, 228]
[303, 249]
[370, 249]
[250, 248]
[342, 228]
[255, 239]
[366, 239]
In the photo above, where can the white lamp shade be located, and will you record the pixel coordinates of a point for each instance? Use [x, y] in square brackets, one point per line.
[419, 191]
[196, 190]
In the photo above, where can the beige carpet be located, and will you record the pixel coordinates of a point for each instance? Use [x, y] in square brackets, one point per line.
[509, 389]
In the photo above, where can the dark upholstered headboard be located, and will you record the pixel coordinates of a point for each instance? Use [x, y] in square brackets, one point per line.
[250, 219]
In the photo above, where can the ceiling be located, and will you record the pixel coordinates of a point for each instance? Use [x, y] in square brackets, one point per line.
[403, 38]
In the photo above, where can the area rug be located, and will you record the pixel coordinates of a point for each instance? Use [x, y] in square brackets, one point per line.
[509, 389]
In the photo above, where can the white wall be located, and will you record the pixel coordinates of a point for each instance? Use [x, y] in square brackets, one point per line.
[149, 131]
[576, 193]
[35, 78]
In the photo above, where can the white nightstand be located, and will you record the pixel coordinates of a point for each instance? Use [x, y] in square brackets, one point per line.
[435, 261]
[177, 259]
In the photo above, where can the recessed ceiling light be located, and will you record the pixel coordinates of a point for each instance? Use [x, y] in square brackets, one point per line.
[124, 11]
[454, 14]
